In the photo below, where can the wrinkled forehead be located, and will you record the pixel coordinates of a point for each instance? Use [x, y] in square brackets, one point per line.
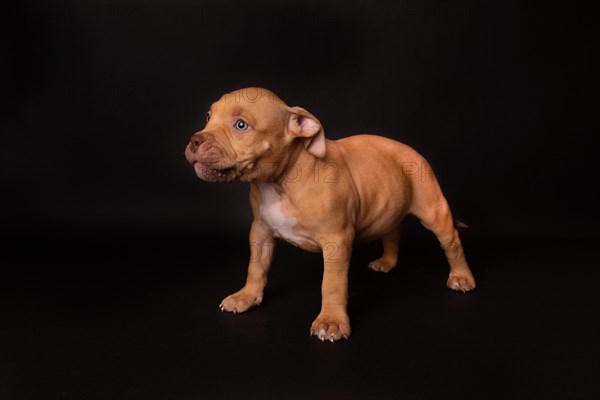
[259, 104]
[252, 95]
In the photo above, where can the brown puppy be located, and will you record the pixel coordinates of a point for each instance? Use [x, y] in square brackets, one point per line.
[320, 195]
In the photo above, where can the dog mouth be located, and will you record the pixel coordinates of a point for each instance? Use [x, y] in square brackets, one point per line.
[211, 173]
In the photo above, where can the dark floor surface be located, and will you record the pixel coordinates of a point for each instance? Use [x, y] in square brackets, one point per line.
[135, 316]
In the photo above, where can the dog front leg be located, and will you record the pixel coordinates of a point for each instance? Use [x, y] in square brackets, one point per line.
[333, 322]
[262, 247]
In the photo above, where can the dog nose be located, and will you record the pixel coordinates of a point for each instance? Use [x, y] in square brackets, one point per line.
[195, 141]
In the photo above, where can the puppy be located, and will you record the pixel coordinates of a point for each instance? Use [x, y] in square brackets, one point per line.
[320, 195]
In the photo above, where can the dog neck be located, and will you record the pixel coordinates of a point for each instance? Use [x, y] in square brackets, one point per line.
[293, 165]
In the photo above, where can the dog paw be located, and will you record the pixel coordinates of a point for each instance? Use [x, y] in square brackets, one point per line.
[331, 326]
[381, 265]
[240, 301]
[461, 282]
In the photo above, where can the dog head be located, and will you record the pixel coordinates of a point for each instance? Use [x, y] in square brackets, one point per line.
[249, 136]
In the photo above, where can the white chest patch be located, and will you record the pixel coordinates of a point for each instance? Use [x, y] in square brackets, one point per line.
[271, 211]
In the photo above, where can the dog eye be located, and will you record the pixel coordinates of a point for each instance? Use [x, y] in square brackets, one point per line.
[207, 117]
[241, 125]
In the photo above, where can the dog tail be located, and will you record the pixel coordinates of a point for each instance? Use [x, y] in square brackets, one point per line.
[460, 224]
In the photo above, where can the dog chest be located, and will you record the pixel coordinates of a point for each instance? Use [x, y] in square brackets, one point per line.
[272, 212]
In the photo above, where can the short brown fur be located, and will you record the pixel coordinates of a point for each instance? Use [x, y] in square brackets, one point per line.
[333, 192]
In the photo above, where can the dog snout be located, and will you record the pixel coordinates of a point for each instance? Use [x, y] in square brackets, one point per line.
[196, 140]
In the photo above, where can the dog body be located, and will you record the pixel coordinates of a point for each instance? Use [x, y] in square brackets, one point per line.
[325, 195]
[320, 195]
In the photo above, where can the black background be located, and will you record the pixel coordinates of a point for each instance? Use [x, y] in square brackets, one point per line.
[115, 255]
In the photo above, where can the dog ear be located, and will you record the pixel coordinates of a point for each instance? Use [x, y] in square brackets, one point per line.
[303, 124]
